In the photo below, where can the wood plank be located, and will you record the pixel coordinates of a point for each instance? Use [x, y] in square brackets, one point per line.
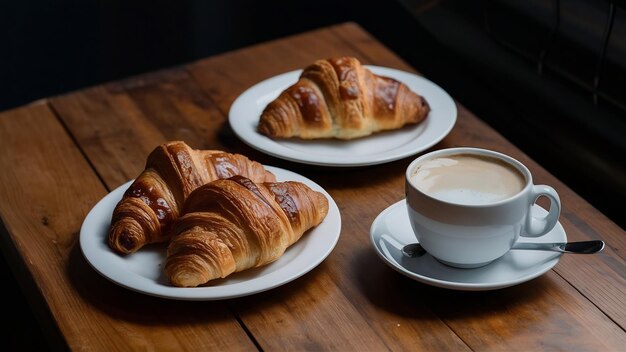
[542, 314]
[362, 193]
[46, 195]
[351, 301]
[118, 124]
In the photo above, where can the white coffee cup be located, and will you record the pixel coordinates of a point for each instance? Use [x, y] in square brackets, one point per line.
[468, 206]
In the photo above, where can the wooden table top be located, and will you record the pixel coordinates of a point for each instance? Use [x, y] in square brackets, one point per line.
[61, 155]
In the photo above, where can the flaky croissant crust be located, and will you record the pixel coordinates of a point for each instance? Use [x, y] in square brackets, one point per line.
[234, 224]
[154, 200]
[340, 98]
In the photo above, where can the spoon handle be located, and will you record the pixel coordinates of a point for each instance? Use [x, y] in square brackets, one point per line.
[582, 247]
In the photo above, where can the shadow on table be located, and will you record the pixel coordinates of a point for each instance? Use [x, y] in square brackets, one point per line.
[392, 291]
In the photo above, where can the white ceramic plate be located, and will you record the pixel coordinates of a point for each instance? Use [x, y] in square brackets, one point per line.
[515, 267]
[378, 148]
[142, 271]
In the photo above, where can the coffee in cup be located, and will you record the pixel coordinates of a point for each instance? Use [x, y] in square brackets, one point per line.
[468, 206]
[467, 178]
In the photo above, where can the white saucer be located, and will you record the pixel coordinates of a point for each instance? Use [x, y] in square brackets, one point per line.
[515, 267]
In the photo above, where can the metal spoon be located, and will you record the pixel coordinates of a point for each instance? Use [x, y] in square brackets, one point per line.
[584, 247]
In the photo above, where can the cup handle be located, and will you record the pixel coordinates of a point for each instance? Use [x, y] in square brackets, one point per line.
[535, 226]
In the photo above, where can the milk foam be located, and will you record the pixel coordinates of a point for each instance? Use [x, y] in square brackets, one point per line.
[468, 179]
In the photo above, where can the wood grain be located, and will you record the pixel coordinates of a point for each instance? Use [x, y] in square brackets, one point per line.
[44, 203]
[67, 152]
[118, 124]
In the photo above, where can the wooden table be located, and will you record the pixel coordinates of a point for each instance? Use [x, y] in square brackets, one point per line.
[61, 155]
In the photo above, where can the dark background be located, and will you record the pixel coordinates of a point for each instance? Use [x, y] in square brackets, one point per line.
[548, 75]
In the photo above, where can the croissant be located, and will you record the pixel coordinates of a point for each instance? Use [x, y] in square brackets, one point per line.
[339, 98]
[235, 224]
[153, 201]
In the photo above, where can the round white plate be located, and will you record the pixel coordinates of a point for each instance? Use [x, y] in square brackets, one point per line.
[377, 148]
[513, 268]
[142, 271]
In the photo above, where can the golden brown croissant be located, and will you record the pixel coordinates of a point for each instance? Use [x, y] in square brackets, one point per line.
[173, 170]
[235, 224]
[339, 98]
